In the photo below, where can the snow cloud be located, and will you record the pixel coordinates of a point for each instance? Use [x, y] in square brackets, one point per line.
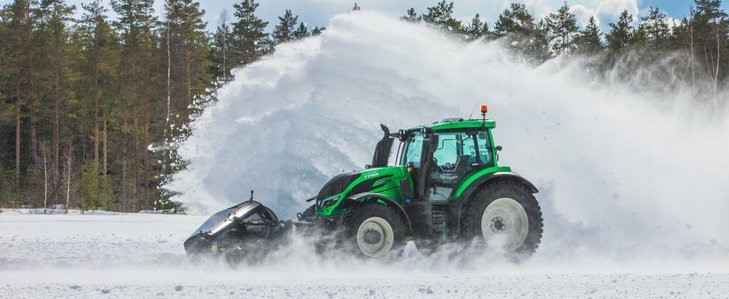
[623, 174]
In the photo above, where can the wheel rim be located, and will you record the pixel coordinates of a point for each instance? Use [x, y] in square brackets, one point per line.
[504, 224]
[367, 237]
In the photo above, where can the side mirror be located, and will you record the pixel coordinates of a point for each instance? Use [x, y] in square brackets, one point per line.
[499, 148]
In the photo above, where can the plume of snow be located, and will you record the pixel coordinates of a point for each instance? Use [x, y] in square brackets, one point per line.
[623, 174]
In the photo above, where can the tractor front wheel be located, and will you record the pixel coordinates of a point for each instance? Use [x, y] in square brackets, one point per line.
[375, 231]
[505, 217]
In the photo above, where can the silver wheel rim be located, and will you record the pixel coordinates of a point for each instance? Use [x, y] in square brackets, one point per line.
[386, 240]
[505, 224]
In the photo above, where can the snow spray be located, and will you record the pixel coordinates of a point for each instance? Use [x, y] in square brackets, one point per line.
[624, 175]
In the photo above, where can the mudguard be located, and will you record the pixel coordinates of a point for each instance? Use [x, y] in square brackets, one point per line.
[456, 206]
[367, 197]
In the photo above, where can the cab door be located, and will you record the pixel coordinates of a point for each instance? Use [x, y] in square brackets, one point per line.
[418, 156]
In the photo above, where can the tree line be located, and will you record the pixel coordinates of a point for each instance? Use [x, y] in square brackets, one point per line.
[691, 52]
[91, 108]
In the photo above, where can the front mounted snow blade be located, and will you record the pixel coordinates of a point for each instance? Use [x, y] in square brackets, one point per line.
[245, 232]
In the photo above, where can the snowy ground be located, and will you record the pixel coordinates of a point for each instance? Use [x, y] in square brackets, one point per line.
[141, 256]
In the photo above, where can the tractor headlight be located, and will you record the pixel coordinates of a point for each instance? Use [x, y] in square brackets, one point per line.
[329, 201]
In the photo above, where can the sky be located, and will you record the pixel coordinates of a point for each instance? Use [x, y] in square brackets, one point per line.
[319, 12]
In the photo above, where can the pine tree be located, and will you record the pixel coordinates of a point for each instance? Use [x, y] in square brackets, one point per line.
[477, 29]
[285, 29]
[220, 52]
[250, 42]
[588, 42]
[523, 35]
[563, 30]
[97, 47]
[316, 31]
[96, 193]
[187, 77]
[411, 16]
[188, 63]
[19, 59]
[441, 15]
[135, 24]
[621, 33]
[654, 29]
[515, 20]
[710, 27]
[537, 50]
[5, 108]
[8, 100]
[54, 65]
[301, 32]
[98, 60]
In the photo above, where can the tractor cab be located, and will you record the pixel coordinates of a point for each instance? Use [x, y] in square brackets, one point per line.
[440, 156]
[443, 155]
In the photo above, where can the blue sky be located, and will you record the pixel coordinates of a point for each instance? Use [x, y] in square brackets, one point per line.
[318, 12]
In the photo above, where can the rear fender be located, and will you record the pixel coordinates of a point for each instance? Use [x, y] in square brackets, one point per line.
[456, 205]
[366, 197]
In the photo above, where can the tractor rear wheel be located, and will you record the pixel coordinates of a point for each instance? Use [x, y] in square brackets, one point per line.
[375, 231]
[505, 217]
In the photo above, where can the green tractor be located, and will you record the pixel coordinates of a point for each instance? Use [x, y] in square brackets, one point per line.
[442, 185]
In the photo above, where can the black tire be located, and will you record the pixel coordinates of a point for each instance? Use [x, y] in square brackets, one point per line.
[376, 218]
[518, 244]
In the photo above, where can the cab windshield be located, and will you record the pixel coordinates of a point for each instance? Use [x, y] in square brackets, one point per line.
[453, 148]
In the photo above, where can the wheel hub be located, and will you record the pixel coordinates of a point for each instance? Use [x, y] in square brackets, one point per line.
[375, 237]
[505, 224]
[372, 237]
[497, 224]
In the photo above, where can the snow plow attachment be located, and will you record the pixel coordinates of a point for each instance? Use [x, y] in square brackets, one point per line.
[245, 232]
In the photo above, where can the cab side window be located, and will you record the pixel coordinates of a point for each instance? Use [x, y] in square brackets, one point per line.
[484, 147]
[414, 150]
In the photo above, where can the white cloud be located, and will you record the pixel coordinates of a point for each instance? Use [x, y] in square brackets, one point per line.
[583, 14]
[542, 8]
[611, 9]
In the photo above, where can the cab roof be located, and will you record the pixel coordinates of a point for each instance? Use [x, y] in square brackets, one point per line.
[459, 123]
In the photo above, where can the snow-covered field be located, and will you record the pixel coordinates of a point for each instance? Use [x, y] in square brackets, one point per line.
[141, 256]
